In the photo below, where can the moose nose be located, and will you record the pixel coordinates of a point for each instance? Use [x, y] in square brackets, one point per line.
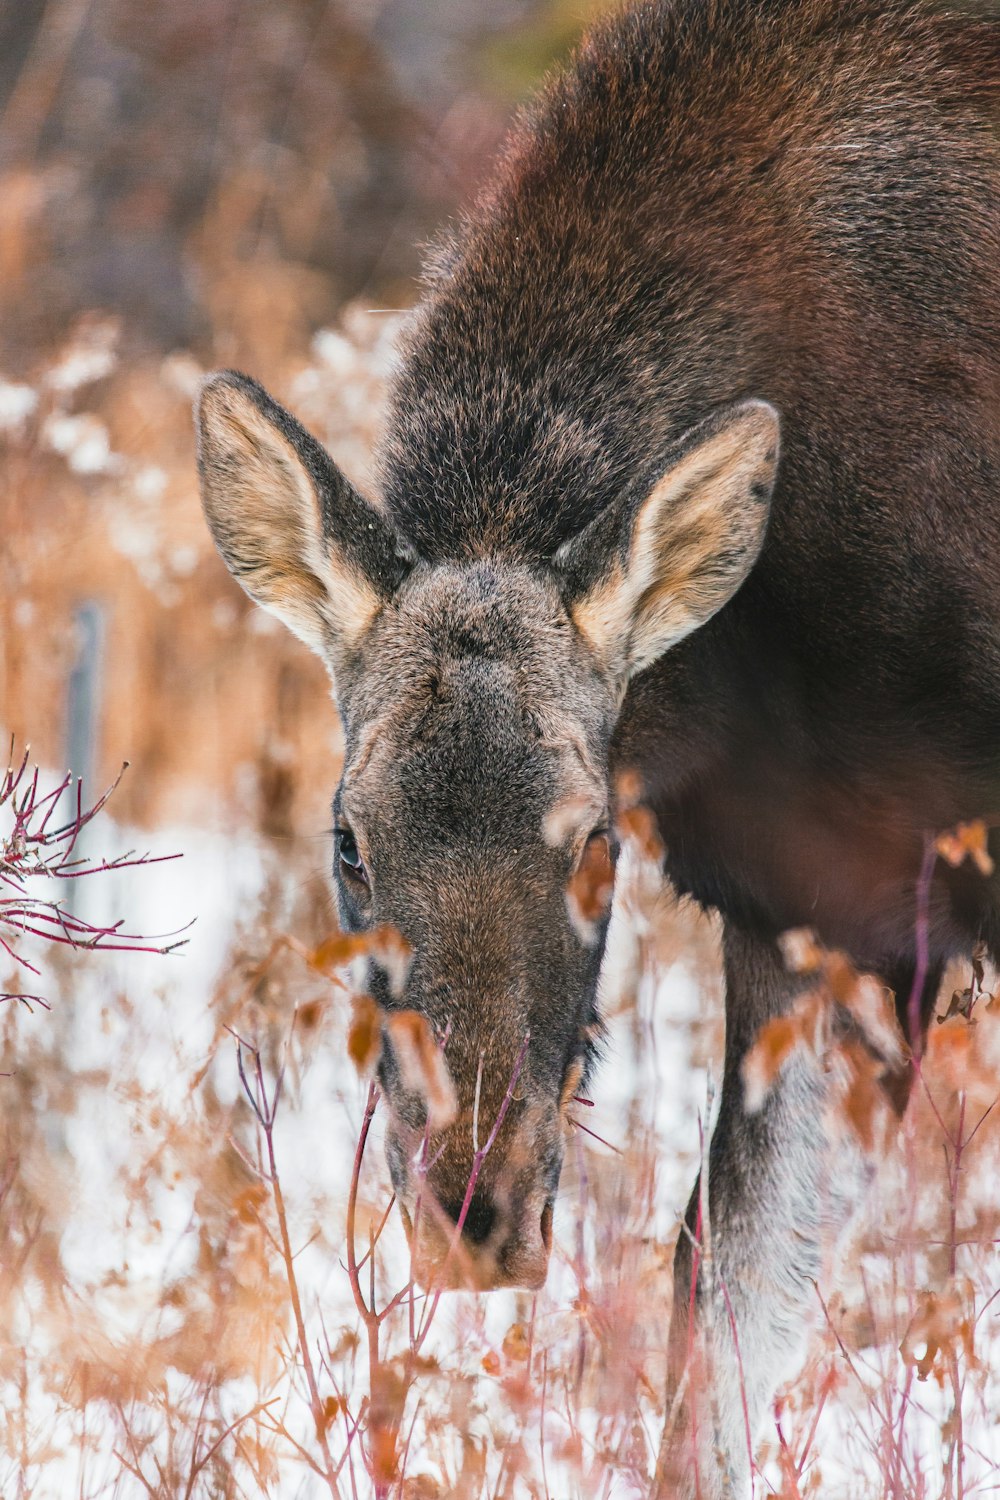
[480, 1217]
[497, 1247]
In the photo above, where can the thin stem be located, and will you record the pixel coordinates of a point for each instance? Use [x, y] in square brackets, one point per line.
[264, 1111]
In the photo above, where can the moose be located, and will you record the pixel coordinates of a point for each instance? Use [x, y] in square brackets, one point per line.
[691, 467]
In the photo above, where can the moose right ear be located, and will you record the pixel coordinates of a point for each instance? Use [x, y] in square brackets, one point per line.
[291, 529]
[649, 570]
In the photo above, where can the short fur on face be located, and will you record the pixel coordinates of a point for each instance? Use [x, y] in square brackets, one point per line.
[479, 698]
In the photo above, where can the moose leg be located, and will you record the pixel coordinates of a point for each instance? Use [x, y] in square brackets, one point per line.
[775, 1191]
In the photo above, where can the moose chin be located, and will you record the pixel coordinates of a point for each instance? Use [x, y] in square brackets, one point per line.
[691, 468]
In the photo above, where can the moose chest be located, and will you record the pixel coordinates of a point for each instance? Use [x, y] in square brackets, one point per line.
[773, 844]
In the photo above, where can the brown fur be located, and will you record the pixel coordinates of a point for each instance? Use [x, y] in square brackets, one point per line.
[788, 208]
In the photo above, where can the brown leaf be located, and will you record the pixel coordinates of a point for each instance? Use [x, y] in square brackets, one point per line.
[384, 1457]
[332, 1407]
[516, 1346]
[422, 1487]
[943, 1321]
[392, 952]
[801, 950]
[840, 975]
[960, 1004]
[967, 839]
[310, 1014]
[638, 825]
[588, 895]
[963, 1002]
[422, 1065]
[775, 1042]
[383, 944]
[338, 950]
[364, 1035]
[869, 1002]
[873, 1007]
[816, 1012]
[979, 958]
[863, 1104]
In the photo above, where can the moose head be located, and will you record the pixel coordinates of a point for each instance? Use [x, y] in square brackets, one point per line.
[478, 697]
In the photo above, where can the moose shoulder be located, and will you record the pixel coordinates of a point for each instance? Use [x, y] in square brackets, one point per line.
[692, 466]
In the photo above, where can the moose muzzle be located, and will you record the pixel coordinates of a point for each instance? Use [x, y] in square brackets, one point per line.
[481, 1243]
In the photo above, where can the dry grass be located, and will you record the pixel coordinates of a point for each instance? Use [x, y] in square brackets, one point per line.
[185, 1309]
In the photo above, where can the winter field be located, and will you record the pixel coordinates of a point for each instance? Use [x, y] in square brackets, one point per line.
[204, 1289]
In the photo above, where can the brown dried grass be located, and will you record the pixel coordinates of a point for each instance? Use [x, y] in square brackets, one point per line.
[125, 1370]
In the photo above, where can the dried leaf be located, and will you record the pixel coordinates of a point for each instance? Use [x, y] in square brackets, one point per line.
[516, 1345]
[774, 1044]
[979, 958]
[310, 1014]
[960, 1004]
[873, 1007]
[801, 950]
[247, 1204]
[967, 839]
[588, 895]
[422, 1487]
[943, 1322]
[332, 1407]
[422, 1065]
[859, 1102]
[383, 944]
[963, 1001]
[816, 1011]
[391, 952]
[338, 950]
[364, 1036]
[384, 1456]
[637, 824]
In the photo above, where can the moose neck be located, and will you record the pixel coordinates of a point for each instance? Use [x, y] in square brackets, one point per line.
[587, 314]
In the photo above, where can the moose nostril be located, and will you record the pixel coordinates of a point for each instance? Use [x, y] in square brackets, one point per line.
[479, 1219]
[547, 1226]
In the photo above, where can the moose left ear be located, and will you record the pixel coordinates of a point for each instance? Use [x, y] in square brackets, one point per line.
[642, 576]
[291, 529]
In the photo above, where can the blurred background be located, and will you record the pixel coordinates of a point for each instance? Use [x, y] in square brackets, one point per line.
[248, 183]
[186, 186]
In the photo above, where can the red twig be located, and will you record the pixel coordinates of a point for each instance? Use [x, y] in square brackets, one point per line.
[265, 1110]
[922, 946]
[32, 851]
[477, 1165]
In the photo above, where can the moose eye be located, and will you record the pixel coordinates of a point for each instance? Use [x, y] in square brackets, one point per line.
[349, 855]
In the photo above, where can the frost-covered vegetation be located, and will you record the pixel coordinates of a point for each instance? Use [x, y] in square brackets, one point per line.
[191, 1305]
[204, 1288]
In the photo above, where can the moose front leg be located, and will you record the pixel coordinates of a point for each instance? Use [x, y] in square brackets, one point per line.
[776, 1195]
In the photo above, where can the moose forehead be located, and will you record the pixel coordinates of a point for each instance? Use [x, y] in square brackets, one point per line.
[475, 699]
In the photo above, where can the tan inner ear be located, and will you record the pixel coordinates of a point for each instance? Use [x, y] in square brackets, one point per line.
[264, 513]
[694, 540]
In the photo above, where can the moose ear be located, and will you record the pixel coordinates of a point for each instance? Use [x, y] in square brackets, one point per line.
[642, 576]
[291, 529]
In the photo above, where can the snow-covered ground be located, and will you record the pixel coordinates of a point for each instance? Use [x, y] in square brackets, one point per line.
[135, 1094]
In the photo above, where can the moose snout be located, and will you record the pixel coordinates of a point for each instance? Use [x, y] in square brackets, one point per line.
[476, 1196]
[490, 1241]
